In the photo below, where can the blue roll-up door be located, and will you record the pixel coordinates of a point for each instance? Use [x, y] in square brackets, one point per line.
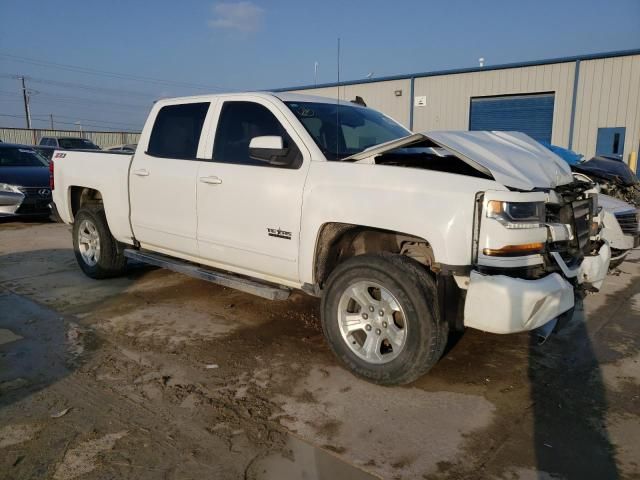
[531, 114]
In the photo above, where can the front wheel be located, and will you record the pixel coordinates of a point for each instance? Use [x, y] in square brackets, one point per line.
[97, 252]
[381, 318]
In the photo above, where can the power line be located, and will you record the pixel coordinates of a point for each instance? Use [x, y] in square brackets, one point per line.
[81, 86]
[97, 123]
[87, 119]
[84, 124]
[52, 98]
[106, 73]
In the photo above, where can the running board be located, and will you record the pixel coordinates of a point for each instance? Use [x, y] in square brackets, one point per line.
[254, 287]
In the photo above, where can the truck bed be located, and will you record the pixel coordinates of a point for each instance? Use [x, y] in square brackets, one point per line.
[105, 172]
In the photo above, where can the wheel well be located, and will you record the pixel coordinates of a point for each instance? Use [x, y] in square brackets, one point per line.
[83, 196]
[340, 241]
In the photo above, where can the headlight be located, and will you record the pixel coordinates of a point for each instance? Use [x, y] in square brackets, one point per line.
[5, 187]
[517, 214]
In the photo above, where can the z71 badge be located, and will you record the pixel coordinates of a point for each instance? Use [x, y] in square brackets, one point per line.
[276, 232]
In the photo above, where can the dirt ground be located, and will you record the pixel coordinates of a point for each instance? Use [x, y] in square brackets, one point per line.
[157, 375]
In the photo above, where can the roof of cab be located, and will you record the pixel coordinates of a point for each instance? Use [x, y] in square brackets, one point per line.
[284, 96]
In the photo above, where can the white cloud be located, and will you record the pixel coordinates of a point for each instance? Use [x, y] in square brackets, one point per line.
[242, 16]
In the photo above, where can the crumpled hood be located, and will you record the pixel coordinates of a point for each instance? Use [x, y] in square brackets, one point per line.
[512, 158]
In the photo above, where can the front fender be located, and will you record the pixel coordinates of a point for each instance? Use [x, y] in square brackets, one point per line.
[435, 206]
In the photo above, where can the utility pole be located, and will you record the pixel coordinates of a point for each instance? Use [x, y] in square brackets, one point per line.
[51, 119]
[25, 97]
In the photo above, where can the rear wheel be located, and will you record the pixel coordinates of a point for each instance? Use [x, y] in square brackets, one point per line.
[97, 252]
[381, 318]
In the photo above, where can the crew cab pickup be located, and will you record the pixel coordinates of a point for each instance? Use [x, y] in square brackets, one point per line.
[405, 236]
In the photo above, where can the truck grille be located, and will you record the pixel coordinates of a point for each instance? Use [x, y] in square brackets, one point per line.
[628, 222]
[578, 214]
[582, 217]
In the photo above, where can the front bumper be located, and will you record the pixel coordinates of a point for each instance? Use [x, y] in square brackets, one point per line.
[10, 202]
[503, 304]
[591, 271]
[30, 201]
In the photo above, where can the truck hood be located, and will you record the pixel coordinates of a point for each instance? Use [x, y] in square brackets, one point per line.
[511, 158]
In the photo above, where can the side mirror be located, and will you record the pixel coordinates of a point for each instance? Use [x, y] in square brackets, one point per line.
[269, 149]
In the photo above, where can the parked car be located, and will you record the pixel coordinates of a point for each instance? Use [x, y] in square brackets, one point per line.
[614, 176]
[609, 171]
[620, 227]
[68, 143]
[406, 237]
[24, 182]
[128, 148]
[48, 144]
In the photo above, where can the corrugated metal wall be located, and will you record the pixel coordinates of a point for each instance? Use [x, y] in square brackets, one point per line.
[379, 95]
[607, 95]
[449, 96]
[33, 136]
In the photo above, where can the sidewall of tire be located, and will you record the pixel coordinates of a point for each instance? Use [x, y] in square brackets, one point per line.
[419, 301]
[112, 261]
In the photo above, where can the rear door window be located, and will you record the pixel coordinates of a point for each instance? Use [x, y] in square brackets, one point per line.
[176, 131]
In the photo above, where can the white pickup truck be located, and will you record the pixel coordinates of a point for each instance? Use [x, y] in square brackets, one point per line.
[406, 237]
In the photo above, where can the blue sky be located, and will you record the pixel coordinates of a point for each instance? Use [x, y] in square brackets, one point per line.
[253, 44]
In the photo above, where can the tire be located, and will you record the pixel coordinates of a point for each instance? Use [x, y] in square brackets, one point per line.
[404, 288]
[90, 229]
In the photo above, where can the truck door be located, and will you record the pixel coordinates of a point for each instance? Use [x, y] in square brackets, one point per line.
[163, 181]
[249, 210]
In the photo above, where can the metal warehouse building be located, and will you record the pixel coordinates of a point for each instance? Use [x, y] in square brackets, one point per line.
[588, 103]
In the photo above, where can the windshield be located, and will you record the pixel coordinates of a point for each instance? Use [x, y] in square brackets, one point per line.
[359, 128]
[77, 143]
[21, 157]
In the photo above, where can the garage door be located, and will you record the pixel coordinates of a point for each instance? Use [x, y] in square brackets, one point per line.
[531, 114]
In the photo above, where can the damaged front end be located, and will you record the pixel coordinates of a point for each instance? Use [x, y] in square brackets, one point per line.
[533, 250]
[535, 239]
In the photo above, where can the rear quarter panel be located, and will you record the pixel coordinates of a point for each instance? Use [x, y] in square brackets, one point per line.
[105, 172]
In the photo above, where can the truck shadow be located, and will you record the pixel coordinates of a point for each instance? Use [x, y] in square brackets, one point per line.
[555, 404]
[570, 406]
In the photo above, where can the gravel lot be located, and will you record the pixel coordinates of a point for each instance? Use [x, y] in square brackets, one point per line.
[157, 375]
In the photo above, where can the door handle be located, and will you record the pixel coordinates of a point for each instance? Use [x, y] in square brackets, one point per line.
[143, 172]
[211, 180]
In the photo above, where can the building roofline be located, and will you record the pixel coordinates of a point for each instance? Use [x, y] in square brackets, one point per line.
[435, 73]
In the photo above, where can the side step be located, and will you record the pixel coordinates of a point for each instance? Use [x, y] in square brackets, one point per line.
[255, 287]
